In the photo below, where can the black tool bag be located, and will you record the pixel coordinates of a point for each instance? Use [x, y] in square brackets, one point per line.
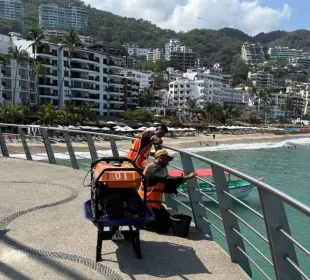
[118, 203]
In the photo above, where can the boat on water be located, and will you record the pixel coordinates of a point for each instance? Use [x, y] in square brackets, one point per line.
[237, 187]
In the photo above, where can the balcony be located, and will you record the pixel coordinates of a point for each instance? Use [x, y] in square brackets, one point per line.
[83, 59]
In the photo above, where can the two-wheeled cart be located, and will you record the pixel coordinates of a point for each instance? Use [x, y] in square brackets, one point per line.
[115, 202]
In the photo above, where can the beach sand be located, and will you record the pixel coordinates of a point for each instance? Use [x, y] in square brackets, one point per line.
[178, 142]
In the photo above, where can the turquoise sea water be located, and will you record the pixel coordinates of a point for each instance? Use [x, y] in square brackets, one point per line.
[286, 169]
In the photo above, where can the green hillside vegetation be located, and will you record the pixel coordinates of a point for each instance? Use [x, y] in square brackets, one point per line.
[266, 38]
[214, 46]
[236, 34]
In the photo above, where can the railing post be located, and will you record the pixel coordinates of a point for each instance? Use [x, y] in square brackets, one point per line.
[280, 247]
[229, 221]
[91, 147]
[4, 149]
[74, 162]
[114, 148]
[24, 142]
[195, 197]
[48, 146]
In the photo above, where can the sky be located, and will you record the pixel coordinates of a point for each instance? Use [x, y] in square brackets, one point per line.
[250, 16]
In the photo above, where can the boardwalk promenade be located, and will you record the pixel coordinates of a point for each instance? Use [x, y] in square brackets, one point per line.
[43, 235]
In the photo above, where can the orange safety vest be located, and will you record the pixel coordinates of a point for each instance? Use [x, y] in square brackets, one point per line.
[136, 154]
[154, 193]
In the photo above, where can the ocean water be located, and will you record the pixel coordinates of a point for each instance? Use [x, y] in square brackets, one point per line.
[286, 169]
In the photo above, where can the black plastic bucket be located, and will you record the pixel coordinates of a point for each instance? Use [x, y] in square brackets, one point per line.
[181, 224]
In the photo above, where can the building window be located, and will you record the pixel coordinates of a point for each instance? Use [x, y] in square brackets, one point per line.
[105, 70]
[66, 53]
[66, 73]
[66, 83]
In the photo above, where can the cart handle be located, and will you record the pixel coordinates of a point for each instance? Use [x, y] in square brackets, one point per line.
[119, 159]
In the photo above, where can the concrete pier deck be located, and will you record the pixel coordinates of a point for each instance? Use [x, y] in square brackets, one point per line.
[43, 235]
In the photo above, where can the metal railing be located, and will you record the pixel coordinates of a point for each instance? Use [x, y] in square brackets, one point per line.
[281, 245]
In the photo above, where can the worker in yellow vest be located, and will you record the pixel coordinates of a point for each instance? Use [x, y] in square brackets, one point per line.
[158, 181]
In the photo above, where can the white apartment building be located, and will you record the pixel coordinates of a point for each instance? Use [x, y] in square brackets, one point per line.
[155, 54]
[300, 63]
[284, 53]
[17, 84]
[261, 78]
[86, 40]
[175, 45]
[13, 10]
[135, 50]
[145, 79]
[87, 76]
[172, 74]
[66, 17]
[252, 53]
[204, 91]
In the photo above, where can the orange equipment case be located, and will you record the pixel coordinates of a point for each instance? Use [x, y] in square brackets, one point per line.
[118, 178]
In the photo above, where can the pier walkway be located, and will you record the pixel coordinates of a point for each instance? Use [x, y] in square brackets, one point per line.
[43, 235]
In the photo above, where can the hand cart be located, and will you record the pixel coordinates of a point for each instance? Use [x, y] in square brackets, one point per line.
[121, 175]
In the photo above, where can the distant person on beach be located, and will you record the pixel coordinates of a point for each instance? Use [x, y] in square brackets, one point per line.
[213, 136]
[158, 181]
[141, 147]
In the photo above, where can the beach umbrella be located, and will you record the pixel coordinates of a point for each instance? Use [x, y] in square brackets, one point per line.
[95, 128]
[110, 122]
[171, 129]
[179, 129]
[156, 123]
[151, 128]
[192, 129]
[142, 128]
[105, 129]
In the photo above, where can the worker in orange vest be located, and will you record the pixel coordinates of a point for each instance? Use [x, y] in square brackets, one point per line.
[141, 147]
[158, 181]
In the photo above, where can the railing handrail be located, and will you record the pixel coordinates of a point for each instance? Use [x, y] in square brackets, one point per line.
[298, 205]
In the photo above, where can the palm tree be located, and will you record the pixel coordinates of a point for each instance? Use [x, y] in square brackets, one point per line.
[47, 113]
[86, 112]
[288, 106]
[18, 113]
[38, 69]
[70, 41]
[5, 112]
[37, 36]
[19, 56]
[147, 98]
[3, 59]
[192, 107]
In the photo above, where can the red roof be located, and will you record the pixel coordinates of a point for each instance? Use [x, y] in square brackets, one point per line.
[206, 172]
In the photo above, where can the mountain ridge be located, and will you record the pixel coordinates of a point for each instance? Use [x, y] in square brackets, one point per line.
[214, 45]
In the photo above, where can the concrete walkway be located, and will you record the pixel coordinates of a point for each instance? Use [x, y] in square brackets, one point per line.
[43, 235]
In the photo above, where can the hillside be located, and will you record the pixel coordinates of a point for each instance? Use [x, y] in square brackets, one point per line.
[236, 34]
[299, 39]
[215, 46]
[266, 38]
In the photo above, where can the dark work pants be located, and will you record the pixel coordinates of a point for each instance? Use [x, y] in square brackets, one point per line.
[162, 221]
